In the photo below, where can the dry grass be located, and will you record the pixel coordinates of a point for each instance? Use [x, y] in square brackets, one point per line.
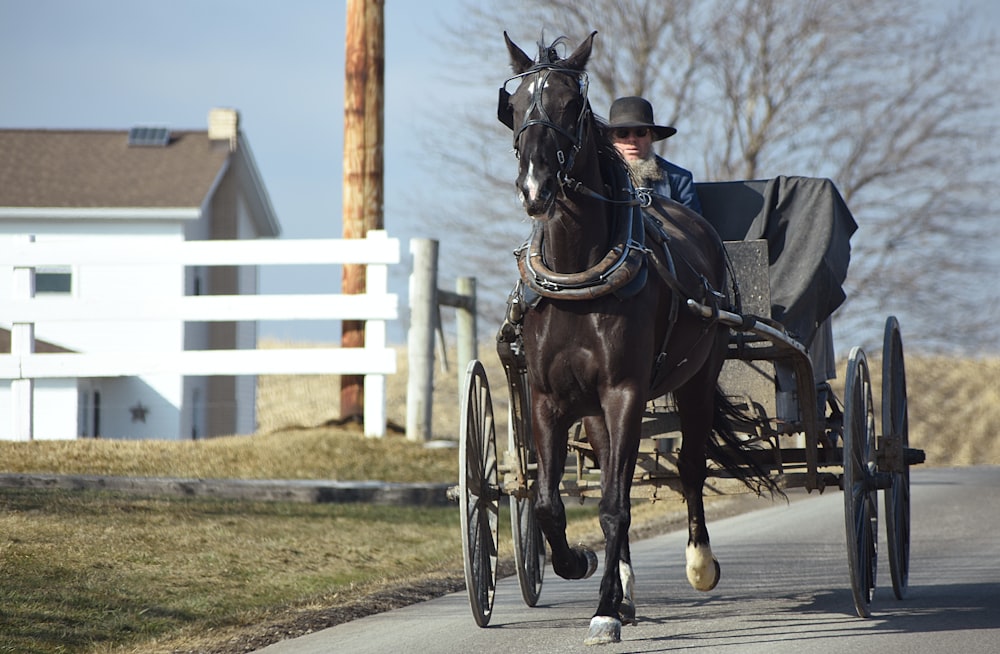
[305, 401]
[954, 407]
[954, 404]
[320, 453]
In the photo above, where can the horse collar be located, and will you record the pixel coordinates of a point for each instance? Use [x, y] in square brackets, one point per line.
[621, 271]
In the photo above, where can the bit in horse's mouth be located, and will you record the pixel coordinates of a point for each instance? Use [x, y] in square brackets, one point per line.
[546, 212]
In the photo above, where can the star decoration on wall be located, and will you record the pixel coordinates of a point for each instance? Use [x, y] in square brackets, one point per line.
[139, 412]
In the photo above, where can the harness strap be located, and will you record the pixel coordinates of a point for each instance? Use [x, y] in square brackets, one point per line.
[662, 259]
[668, 274]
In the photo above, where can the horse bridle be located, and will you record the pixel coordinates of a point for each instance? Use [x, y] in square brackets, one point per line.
[506, 116]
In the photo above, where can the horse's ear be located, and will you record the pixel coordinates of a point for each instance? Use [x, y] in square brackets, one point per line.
[578, 60]
[519, 61]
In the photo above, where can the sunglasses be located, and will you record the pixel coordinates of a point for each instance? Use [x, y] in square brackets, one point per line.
[625, 132]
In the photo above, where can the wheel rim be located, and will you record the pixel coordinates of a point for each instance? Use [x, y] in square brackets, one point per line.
[479, 497]
[860, 498]
[529, 544]
[895, 425]
[529, 549]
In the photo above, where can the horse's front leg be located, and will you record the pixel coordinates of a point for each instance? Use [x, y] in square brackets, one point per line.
[615, 440]
[551, 438]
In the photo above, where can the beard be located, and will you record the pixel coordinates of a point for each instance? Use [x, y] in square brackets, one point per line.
[646, 171]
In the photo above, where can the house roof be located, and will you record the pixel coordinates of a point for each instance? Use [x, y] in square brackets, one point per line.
[99, 169]
[40, 345]
[96, 168]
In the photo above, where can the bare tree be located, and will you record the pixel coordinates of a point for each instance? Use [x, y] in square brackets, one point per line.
[895, 106]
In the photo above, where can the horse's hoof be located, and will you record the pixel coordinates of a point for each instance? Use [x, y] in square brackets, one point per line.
[703, 569]
[626, 611]
[715, 580]
[591, 561]
[604, 630]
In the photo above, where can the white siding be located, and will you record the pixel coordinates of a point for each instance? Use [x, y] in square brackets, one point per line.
[56, 404]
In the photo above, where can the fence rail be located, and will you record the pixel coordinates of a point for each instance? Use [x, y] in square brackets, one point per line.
[22, 366]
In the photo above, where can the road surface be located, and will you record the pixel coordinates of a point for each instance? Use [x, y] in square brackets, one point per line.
[784, 588]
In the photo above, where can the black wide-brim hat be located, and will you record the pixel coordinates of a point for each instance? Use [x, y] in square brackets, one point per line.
[633, 111]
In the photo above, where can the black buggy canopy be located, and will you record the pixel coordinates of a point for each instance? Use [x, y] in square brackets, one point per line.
[808, 229]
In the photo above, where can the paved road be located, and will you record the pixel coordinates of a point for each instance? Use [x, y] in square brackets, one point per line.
[784, 588]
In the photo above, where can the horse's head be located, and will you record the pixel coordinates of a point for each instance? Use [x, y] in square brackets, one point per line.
[548, 112]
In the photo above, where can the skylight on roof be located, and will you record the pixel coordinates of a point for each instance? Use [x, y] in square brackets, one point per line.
[149, 136]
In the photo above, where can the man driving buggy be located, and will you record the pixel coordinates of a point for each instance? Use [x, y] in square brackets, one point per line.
[633, 131]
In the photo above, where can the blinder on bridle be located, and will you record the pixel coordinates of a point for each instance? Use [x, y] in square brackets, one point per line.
[505, 112]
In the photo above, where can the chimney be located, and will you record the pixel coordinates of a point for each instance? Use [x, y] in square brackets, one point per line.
[224, 125]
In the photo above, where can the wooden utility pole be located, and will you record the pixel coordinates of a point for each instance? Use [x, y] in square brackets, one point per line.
[363, 167]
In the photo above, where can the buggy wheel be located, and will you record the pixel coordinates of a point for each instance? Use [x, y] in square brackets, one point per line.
[860, 495]
[895, 440]
[529, 544]
[479, 497]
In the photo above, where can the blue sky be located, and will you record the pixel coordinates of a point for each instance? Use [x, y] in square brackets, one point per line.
[118, 63]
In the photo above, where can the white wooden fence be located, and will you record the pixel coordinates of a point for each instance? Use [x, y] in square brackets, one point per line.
[22, 366]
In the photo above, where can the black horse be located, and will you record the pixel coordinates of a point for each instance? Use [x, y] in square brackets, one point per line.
[609, 327]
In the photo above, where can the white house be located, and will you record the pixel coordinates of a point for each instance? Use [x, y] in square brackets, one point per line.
[149, 185]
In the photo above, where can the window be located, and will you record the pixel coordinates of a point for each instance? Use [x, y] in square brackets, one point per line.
[54, 279]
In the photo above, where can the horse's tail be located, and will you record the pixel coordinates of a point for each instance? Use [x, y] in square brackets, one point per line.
[734, 453]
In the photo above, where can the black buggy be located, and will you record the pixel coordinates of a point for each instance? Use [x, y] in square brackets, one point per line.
[788, 242]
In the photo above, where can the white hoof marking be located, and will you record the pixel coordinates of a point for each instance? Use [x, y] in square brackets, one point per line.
[702, 568]
[627, 609]
[628, 579]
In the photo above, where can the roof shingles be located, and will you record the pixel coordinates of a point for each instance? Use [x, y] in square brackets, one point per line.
[96, 168]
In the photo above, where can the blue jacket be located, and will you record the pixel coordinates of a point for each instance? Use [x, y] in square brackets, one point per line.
[678, 184]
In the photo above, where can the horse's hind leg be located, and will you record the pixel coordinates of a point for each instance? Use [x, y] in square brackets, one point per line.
[695, 407]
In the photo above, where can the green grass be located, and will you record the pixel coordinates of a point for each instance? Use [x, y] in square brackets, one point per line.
[94, 571]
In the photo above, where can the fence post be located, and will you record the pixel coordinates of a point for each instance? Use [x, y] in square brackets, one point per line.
[465, 326]
[420, 339]
[376, 283]
[22, 343]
